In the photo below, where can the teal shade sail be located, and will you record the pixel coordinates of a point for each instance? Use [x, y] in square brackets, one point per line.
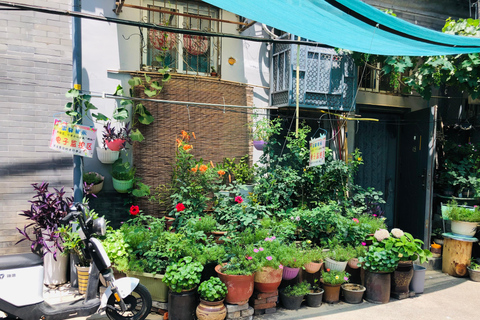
[352, 25]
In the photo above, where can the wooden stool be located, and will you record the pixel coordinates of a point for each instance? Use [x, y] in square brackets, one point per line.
[457, 251]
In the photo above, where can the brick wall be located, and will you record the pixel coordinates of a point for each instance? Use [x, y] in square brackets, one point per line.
[35, 73]
[219, 134]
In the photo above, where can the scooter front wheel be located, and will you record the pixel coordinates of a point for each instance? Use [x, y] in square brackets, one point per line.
[138, 303]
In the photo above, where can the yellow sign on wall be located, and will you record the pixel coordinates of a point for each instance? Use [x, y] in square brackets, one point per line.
[73, 138]
[317, 150]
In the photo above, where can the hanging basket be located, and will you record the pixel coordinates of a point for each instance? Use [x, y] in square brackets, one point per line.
[195, 45]
[162, 40]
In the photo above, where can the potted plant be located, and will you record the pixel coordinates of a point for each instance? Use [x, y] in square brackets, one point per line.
[94, 181]
[315, 295]
[116, 140]
[242, 174]
[123, 175]
[46, 210]
[474, 270]
[269, 275]
[238, 275]
[464, 219]
[292, 296]
[314, 259]
[408, 250]
[183, 278]
[332, 280]
[379, 262]
[74, 246]
[212, 293]
[338, 256]
[263, 129]
[292, 260]
[213, 72]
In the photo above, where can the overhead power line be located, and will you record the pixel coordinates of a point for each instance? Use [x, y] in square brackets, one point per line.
[140, 24]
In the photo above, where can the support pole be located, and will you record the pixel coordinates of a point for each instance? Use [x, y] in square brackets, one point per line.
[297, 90]
[77, 84]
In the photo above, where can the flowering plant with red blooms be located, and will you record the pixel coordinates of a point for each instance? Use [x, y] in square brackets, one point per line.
[180, 207]
[238, 199]
[134, 210]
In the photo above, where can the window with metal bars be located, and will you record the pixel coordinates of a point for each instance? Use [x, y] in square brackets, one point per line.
[182, 53]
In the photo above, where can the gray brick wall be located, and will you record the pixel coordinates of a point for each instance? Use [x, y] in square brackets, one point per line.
[35, 73]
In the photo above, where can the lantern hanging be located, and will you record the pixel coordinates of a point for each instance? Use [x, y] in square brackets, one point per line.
[195, 45]
[161, 39]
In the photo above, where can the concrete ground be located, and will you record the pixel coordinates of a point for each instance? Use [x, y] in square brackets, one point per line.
[445, 297]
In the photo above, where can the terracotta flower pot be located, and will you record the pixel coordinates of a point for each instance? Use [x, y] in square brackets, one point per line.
[313, 267]
[240, 288]
[331, 292]
[211, 310]
[353, 263]
[268, 279]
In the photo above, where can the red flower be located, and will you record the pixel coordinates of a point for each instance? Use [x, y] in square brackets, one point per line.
[134, 210]
[238, 199]
[180, 207]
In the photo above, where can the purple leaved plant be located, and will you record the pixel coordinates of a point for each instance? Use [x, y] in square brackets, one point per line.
[46, 211]
[111, 134]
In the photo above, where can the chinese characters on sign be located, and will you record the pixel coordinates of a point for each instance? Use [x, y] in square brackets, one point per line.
[73, 138]
[317, 150]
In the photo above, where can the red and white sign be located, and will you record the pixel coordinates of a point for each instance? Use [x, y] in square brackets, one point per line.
[73, 138]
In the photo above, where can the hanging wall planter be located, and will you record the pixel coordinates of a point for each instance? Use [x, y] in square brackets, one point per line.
[290, 273]
[259, 144]
[122, 186]
[313, 267]
[115, 145]
[107, 156]
[335, 265]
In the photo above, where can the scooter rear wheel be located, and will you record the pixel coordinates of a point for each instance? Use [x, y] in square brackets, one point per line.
[139, 304]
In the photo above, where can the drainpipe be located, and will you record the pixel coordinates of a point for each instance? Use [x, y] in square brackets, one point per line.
[77, 84]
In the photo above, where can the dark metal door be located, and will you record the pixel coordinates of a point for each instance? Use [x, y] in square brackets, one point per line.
[378, 142]
[415, 171]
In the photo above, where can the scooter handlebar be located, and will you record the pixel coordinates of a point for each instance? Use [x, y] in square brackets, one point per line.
[75, 210]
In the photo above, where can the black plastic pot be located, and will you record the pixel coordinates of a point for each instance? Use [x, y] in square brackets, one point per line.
[353, 293]
[378, 287]
[291, 303]
[314, 299]
[182, 306]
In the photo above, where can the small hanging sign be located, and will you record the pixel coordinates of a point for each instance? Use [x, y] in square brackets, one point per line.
[317, 150]
[73, 138]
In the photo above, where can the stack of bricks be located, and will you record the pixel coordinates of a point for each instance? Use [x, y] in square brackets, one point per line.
[264, 303]
[239, 312]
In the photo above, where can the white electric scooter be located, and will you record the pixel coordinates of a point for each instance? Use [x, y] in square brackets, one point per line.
[21, 283]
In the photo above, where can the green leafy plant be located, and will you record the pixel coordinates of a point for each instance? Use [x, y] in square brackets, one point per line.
[116, 248]
[341, 253]
[81, 105]
[212, 290]
[290, 256]
[123, 170]
[183, 275]
[73, 244]
[474, 265]
[240, 172]
[456, 212]
[92, 178]
[297, 290]
[334, 277]
[264, 128]
[405, 246]
[315, 254]
[379, 259]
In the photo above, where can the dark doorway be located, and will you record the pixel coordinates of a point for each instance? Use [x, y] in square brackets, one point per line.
[378, 141]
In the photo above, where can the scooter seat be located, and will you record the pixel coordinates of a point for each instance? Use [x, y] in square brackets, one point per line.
[23, 260]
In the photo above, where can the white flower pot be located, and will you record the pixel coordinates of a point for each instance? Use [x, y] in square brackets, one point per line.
[54, 272]
[464, 228]
[335, 265]
[122, 186]
[107, 156]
